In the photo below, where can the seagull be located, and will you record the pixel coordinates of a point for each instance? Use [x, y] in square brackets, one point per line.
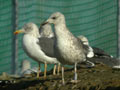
[89, 51]
[26, 69]
[98, 54]
[46, 31]
[68, 49]
[36, 47]
[93, 51]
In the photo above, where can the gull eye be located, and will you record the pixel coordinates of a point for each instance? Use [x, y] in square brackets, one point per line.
[53, 17]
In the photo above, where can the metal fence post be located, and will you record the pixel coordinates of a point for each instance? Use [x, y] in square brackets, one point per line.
[118, 29]
[15, 40]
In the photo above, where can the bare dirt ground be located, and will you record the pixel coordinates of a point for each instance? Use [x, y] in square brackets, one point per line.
[101, 77]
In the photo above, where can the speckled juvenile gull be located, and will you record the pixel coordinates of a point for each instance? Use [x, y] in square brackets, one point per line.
[46, 31]
[35, 46]
[68, 49]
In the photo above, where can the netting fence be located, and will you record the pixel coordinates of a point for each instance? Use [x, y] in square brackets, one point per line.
[96, 19]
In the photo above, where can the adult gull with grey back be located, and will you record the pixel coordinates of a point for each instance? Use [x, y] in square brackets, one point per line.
[46, 32]
[38, 48]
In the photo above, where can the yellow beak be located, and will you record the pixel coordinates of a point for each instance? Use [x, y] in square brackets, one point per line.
[18, 31]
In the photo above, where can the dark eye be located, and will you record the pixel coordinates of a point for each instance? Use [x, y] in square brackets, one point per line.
[53, 17]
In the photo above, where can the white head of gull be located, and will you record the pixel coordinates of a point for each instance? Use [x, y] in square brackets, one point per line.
[46, 31]
[39, 49]
[68, 48]
[83, 39]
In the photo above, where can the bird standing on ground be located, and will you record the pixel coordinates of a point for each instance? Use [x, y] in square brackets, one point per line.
[38, 48]
[46, 31]
[68, 49]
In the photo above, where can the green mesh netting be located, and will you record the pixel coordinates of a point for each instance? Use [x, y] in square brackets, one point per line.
[96, 19]
[5, 35]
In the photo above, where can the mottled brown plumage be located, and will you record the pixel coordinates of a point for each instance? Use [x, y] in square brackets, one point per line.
[68, 49]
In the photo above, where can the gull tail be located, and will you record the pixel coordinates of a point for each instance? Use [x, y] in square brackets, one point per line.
[112, 62]
[100, 53]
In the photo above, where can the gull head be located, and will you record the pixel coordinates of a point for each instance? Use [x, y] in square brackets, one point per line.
[29, 28]
[46, 31]
[83, 39]
[56, 18]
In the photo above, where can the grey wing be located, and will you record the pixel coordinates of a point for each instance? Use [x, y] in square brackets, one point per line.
[47, 46]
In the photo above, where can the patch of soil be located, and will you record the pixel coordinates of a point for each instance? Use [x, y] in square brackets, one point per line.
[101, 77]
